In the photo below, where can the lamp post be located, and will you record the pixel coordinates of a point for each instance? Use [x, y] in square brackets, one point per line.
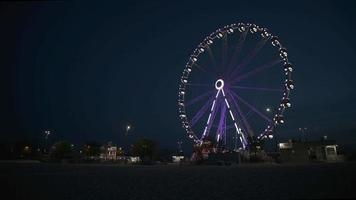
[180, 146]
[127, 129]
[236, 140]
[271, 111]
[303, 132]
[46, 133]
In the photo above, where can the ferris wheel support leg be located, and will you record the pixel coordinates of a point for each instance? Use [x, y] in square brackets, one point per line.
[206, 131]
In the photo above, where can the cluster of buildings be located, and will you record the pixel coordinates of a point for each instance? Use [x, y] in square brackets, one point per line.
[113, 153]
[292, 151]
[323, 150]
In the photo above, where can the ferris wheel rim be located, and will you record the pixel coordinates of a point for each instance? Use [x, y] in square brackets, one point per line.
[218, 34]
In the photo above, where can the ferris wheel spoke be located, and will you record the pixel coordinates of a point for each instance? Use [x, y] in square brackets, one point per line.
[201, 112]
[237, 50]
[251, 106]
[250, 56]
[256, 70]
[257, 88]
[201, 68]
[244, 120]
[198, 98]
[224, 52]
[210, 121]
[228, 127]
[198, 84]
[212, 114]
[212, 57]
[249, 114]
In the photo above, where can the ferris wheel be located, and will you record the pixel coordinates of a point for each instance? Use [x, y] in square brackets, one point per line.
[235, 87]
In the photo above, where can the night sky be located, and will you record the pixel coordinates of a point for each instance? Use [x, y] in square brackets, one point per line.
[84, 71]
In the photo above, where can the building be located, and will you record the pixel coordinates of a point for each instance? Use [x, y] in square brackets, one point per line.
[306, 151]
[177, 158]
[108, 152]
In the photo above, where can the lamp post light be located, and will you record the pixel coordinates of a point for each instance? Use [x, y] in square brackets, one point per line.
[271, 111]
[128, 128]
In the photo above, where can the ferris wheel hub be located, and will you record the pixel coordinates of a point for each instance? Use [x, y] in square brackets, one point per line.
[219, 84]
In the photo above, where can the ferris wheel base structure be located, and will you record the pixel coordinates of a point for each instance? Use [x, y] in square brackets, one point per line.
[231, 107]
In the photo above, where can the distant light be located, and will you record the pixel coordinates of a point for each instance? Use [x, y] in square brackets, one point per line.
[128, 127]
[285, 145]
[268, 109]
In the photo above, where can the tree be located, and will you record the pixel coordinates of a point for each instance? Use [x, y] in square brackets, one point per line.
[146, 149]
[92, 149]
[61, 150]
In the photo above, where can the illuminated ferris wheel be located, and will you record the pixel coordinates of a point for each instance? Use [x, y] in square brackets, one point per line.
[235, 87]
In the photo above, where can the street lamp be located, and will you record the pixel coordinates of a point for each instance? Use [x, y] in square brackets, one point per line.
[128, 128]
[303, 132]
[47, 133]
[180, 146]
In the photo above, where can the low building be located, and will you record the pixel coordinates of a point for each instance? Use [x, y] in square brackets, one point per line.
[177, 158]
[108, 152]
[306, 151]
[133, 159]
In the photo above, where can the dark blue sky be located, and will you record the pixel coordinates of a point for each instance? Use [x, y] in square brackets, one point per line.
[85, 70]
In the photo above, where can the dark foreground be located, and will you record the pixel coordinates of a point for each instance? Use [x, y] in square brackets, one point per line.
[56, 181]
